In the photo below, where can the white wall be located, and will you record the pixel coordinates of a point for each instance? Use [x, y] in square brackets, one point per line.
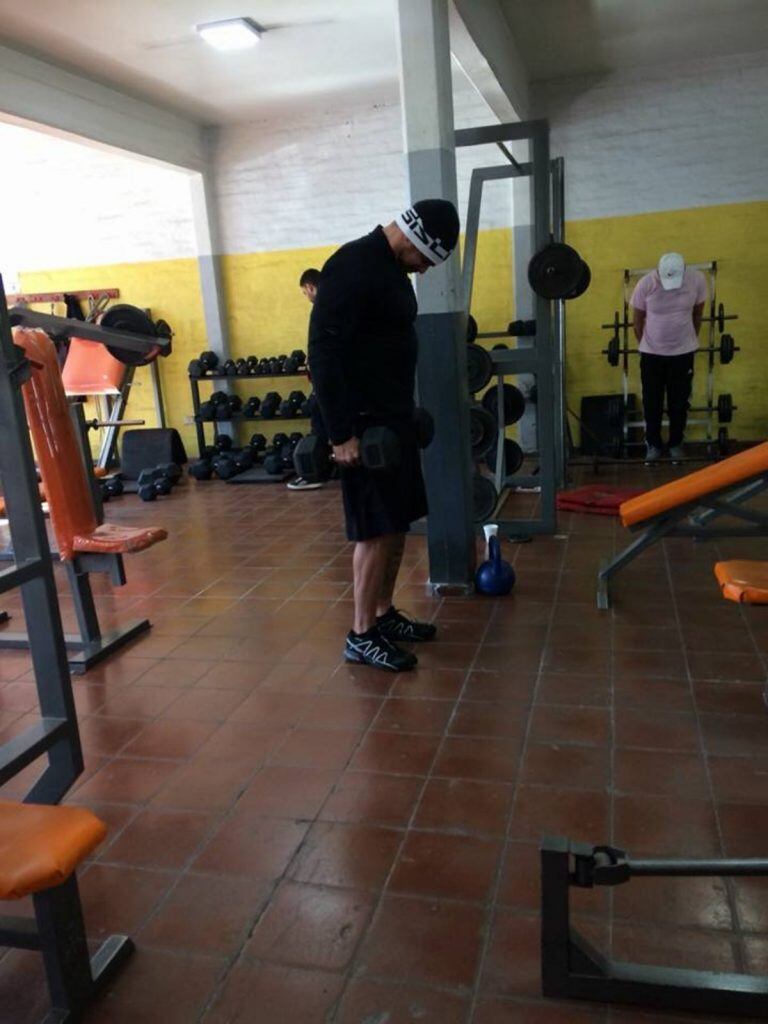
[321, 180]
[661, 138]
[64, 204]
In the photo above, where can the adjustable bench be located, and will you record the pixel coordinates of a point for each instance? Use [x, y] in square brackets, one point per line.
[742, 581]
[84, 546]
[686, 508]
[40, 848]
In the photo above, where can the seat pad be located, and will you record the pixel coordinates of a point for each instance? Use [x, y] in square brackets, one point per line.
[110, 539]
[41, 846]
[742, 581]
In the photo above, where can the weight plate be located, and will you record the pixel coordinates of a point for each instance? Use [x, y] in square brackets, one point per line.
[514, 403]
[555, 271]
[513, 457]
[123, 317]
[471, 329]
[727, 348]
[614, 347]
[584, 281]
[721, 317]
[482, 431]
[724, 408]
[484, 497]
[479, 367]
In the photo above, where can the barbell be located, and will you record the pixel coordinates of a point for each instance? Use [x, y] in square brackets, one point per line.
[727, 348]
[127, 332]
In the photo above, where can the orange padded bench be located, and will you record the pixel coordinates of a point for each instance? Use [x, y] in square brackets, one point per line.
[743, 582]
[40, 848]
[84, 546]
[686, 507]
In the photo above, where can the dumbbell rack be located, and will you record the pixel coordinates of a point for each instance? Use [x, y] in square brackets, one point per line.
[620, 350]
[237, 418]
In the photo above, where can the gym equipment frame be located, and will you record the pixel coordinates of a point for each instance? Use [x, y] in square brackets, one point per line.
[699, 513]
[571, 968]
[57, 930]
[544, 358]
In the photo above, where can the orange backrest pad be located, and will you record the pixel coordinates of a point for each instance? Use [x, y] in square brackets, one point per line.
[90, 369]
[738, 469]
[41, 846]
[53, 434]
[742, 581]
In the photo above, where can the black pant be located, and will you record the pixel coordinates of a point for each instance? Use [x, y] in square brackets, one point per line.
[316, 420]
[673, 375]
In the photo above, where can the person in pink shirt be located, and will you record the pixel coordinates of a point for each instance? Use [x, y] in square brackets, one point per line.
[667, 304]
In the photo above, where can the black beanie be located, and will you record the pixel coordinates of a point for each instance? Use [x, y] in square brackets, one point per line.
[432, 225]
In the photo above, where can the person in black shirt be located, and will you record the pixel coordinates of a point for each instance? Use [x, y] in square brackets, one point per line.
[308, 282]
[362, 357]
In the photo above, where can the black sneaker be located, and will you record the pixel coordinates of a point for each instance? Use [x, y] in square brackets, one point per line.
[371, 648]
[396, 626]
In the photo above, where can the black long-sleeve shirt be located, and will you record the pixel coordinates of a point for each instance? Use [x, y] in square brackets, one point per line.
[362, 340]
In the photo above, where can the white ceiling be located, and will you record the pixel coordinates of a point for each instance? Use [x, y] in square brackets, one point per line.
[560, 38]
[312, 51]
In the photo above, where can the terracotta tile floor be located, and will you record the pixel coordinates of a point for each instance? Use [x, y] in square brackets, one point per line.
[296, 841]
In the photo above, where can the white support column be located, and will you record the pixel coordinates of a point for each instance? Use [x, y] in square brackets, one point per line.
[427, 105]
[206, 224]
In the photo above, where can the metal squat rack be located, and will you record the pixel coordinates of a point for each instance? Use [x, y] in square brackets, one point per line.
[621, 349]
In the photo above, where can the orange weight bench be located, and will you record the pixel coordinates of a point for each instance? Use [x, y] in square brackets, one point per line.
[742, 581]
[84, 546]
[40, 848]
[688, 506]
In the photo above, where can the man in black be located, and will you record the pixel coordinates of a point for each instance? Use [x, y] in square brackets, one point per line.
[362, 356]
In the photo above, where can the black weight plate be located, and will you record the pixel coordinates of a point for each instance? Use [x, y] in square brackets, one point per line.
[514, 403]
[471, 329]
[482, 431]
[724, 408]
[555, 271]
[123, 317]
[614, 347]
[727, 348]
[584, 281]
[513, 457]
[479, 367]
[484, 497]
[721, 317]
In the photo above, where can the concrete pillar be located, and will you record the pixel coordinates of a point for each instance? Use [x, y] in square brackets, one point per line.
[427, 105]
[522, 243]
[206, 226]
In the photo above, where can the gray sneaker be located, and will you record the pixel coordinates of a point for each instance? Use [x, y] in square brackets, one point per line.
[652, 454]
[677, 453]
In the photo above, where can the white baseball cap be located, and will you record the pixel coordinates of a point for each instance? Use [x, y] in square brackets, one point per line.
[671, 270]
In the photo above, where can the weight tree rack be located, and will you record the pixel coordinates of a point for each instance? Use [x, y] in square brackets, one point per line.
[237, 418]
[621, 348]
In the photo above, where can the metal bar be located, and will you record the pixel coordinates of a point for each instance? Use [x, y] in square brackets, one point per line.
[559, 362]
[728, 509]
[157, 392]
[25, 748]
[63, 327]
[509, 131]
[77, 415]
[18, 574]
[471, 232]
[64, 946]
[697, 868]
[34, 297]
[743, 494]
[108, 447]
[508, 154]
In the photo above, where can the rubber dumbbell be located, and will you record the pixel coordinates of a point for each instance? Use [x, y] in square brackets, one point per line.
[219, 398]
[299, 356]
[235, 404]
[273, 463]
[290, 366]
[209, 361]
[295, 437]
[252, 363]
[279, 440]
[243, 459]
[207, 411]
[230, 368]
[224, 466]
[114, 486]
[258, 442]
[379, 451]
[172, 471]
[195, 368]
[251, 407]
[270, 405]
[223, 443]
[241, 366]
[202, 469]
[263, 367]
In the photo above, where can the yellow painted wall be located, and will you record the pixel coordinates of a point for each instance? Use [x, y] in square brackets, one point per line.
[267, 315]
[737, 237]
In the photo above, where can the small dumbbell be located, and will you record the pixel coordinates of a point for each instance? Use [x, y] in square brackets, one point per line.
[258, 442]
[223, 443]
[201, 470]
[241, 366]
[270, 405]
[113, 486]
[195, 368]
[251, 407]
[209, 361]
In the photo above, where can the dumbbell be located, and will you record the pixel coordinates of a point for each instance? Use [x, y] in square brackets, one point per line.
[225, 466]
[289, 408]
[252, 363]
[202, 469]
[207, 411]
[230, 368]
[299, 357]
[153, 483]
[263, 367]
[273, 462]
[218, 398]
[243, 459]
[295, 437]
[113, 485]
[251, 407]
[241, 366]
[379, 450]
[223, 443]
[195, 368]
[258, 442]
[172, 471]
[270, 405]
[279, 440]
[208, 361]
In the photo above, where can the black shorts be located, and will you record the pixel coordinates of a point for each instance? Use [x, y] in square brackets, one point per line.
[382, 502]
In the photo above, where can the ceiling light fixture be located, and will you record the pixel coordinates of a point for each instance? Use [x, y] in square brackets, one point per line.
[232, 34]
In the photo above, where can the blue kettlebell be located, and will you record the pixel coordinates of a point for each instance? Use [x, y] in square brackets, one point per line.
[494, 577]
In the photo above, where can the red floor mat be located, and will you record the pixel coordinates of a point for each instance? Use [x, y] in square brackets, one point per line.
[597, 499]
